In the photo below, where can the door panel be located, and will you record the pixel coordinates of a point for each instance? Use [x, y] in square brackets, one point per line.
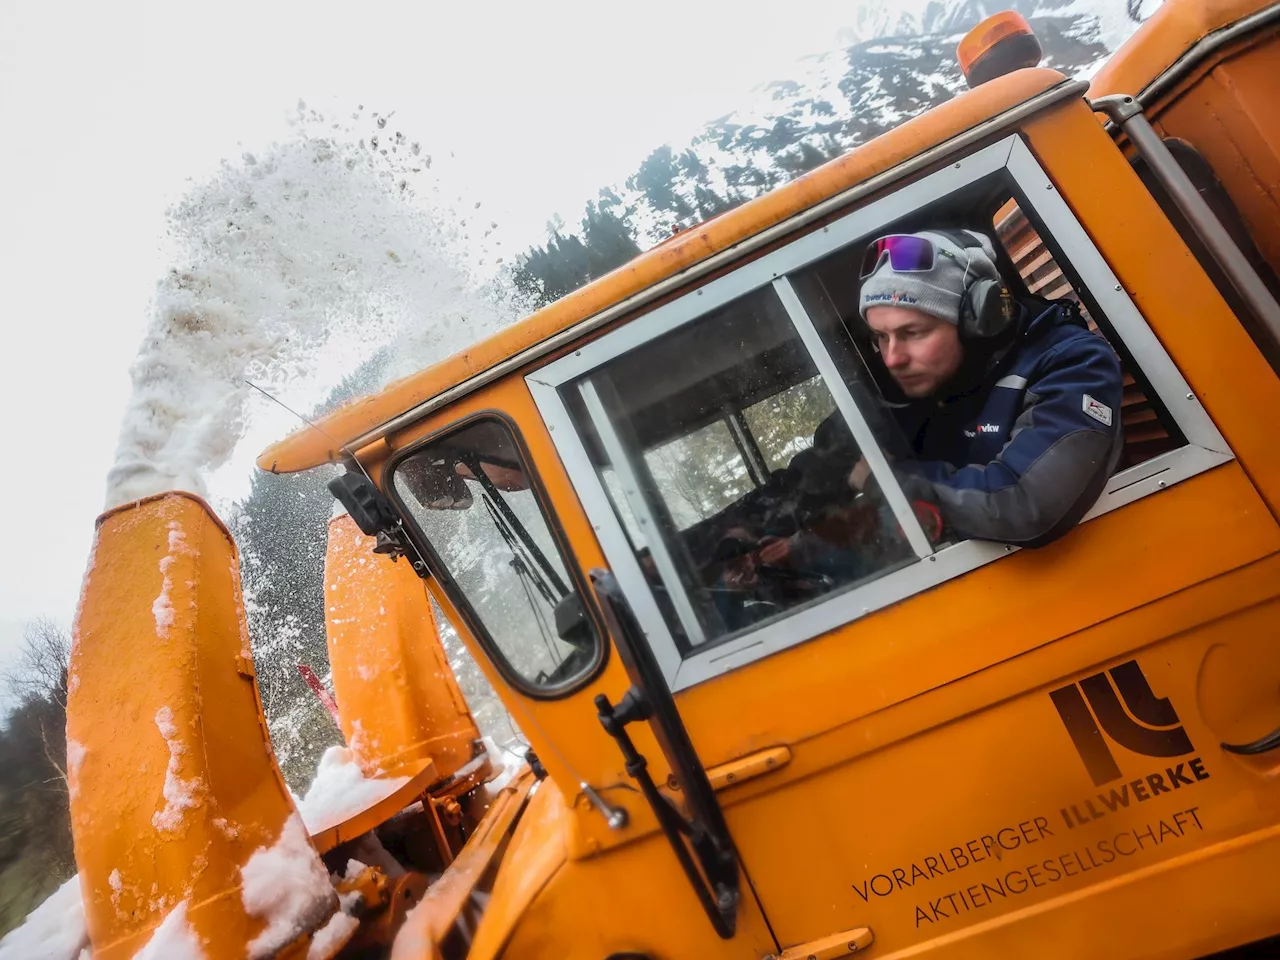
[1149, 549]
[992, 813]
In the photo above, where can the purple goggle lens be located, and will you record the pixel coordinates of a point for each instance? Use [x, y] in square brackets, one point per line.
[907, 254]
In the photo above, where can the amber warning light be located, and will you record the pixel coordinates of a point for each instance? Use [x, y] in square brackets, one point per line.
[998, 45]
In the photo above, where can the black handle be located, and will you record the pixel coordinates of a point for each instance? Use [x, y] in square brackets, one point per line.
[1269, 742]
[701, 842]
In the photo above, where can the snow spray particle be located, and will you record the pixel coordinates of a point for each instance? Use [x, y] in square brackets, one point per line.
[321, 243]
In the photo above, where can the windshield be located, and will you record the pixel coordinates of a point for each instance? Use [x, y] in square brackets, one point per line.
[470, 495]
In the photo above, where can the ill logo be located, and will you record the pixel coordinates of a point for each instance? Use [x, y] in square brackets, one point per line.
[1145, 723]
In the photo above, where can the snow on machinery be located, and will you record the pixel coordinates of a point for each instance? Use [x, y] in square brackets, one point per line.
[977, 751]
[226, 844]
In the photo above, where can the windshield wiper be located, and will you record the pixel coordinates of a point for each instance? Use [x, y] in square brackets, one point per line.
[518, 561]
[513, 523]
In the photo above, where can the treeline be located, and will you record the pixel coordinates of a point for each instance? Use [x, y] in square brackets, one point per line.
[36, 853]
[849, 98]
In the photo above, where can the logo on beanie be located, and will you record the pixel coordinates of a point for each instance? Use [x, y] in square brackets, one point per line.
[893, 297]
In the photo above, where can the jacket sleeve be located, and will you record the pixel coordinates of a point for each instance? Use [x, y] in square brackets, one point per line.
[1057, 460]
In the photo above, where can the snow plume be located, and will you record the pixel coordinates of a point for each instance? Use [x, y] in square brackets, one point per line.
[313, 254]
[54, 930]
[287, 886]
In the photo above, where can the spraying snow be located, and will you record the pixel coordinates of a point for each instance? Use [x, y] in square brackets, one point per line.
[53, 931]
[319, 247]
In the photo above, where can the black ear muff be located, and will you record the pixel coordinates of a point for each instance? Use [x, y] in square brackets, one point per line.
[987, 311]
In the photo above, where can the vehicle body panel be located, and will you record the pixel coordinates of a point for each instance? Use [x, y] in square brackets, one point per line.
[934, 731]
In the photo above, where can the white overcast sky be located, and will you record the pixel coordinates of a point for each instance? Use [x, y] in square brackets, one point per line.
[107, 109]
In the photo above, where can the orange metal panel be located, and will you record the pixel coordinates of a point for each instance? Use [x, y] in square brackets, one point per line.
[173, 783]
[633, 900]
[1163, 38]
[399, 702]
[1232, 117]
[1001, 797]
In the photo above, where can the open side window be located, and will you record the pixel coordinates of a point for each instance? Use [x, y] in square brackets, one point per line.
[672, 422]
[731, 418]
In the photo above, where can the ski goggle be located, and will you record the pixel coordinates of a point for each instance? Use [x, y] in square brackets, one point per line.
[906, 253]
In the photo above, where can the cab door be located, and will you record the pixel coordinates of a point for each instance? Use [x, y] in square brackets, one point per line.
[975, 749]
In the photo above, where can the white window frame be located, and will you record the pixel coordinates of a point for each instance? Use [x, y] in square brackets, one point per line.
[1205, 447]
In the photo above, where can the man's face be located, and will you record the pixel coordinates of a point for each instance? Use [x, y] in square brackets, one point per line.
[920, 351]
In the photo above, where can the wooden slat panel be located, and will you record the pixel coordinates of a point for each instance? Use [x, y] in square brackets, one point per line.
[1145, 435]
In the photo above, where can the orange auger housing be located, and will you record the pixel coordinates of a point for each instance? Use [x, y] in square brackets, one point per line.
[174, 787]
[172, 780]
[400, 706]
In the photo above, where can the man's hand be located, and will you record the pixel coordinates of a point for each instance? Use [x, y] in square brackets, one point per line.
[775, 551]
[859, 475]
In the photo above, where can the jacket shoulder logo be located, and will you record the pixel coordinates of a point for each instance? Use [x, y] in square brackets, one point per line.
[1144, 723]
[1098, 410]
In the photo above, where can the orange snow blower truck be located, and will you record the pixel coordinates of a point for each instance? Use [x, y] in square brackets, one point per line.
[969, 751]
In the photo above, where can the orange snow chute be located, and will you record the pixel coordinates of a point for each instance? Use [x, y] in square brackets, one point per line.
[173, 783]
[399, 704]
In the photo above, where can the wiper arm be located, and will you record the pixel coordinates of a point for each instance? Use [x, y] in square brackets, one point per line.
[513, 523]
[522, 566]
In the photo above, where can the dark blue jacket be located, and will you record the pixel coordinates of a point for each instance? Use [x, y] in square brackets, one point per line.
[1023, 446]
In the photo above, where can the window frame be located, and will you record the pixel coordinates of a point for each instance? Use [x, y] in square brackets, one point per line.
[474, 623]
[1081, 262]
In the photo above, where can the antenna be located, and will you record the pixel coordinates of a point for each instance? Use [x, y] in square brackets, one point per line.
[421, 564]
[316, 427]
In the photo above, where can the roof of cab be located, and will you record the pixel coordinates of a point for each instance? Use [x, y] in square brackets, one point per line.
[1165, 36]
[309, 447]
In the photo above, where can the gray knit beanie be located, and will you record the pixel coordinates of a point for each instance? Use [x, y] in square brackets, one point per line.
[936, 292]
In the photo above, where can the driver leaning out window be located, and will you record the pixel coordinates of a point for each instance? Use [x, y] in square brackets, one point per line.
[1011, 407]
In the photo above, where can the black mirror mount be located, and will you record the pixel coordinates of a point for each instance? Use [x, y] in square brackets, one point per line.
[364, 502]
[371, 511]
[572, 624]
